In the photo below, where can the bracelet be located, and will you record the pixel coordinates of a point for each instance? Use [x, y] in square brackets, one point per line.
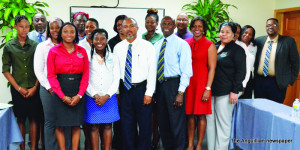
[19, 89]
[79, 96]
[180, 93]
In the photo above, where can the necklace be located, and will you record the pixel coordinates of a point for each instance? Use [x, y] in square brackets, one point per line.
[100, 60]
[72, 50]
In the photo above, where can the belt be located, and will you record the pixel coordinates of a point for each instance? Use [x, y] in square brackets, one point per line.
[137, 84]
[170, 78]
[70, 77]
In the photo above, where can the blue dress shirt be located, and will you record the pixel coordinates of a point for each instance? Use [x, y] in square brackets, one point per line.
[178, 59]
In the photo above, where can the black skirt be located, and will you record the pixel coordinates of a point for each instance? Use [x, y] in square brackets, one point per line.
[69, 115]
[26, 107]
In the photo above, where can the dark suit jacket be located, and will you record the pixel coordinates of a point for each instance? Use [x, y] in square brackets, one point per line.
[286, 60]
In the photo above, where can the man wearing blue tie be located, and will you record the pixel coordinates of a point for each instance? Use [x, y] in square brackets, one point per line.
[39, 33]
[174, 69]
[138, 79]
[276, 64]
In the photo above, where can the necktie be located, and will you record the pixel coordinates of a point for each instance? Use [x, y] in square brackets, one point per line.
[40, 38]
[161, 62]
[266, 62]
[128, 66]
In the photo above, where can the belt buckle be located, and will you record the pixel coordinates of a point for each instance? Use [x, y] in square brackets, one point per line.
[134, 85]
[71, 79]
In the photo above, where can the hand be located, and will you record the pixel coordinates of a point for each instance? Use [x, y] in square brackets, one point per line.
[101, 100]
[233, 97]
[67, 100]
[119, 99]
[75, 99]
[51, 91]
[147, 100]
[23, 92]
[205, 95]
[178, 101]
[31, 92]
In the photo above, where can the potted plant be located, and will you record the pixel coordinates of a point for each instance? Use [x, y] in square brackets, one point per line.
[214, 13]
[11, 8]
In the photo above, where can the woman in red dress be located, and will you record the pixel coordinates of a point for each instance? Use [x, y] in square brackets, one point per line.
[197, 96]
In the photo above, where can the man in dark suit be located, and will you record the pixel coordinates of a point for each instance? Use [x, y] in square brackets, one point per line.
[276, 64]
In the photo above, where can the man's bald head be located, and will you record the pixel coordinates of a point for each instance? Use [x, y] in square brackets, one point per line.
[39, 22]
[182, 21]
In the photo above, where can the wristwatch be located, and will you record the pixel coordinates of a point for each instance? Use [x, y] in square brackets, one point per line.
[207, 88]
[79, 96]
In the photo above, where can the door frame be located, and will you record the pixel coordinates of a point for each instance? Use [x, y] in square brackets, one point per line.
[279, 14]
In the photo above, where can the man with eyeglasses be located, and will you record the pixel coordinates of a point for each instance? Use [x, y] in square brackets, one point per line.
[39, 33]
[276, 64]
[182, 22]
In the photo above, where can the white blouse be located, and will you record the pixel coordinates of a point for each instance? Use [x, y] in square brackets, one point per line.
[40, 62]
[250, 59]
[85, 44]
[104, 78]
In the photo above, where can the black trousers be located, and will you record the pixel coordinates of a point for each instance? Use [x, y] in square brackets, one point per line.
[171, 120]
[266, 87]
[134, 113]
[249, 89]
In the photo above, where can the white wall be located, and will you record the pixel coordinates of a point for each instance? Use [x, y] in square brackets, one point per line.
[254, 12]
[281, 4]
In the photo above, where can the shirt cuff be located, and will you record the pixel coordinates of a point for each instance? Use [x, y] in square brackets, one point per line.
[47, 86]
[181, 88]
[60, 94]
[149, 93]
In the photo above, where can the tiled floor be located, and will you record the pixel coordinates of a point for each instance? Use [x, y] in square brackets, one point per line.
[81, 147]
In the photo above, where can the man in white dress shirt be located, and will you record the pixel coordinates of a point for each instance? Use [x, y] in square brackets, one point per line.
[40, 24]
[138, 75]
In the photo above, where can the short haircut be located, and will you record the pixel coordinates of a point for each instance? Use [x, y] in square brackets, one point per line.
[120, 17]
[132, 19]
[276, 20]
[94, 20]
[60, 22]
[230, 24]
[19, 18]
[199, 18]
[59, 38]
[168, 17]
[152, 13]
[244, 30]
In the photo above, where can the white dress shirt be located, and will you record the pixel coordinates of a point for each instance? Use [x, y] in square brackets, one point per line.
[40, 62]
[143, 62]
[104, 78]
[34, 35]
[85, 44]
[250, 52]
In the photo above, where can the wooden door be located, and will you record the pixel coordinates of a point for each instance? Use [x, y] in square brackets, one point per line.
[291, 27]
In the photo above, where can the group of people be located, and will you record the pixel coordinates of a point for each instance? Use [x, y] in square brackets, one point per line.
[158, 85]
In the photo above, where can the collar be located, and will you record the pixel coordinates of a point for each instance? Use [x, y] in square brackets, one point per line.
[37, 33]
[49, 42]
[169, 38]
[76, 47]
[15, 41]
[275, 40]
[133, 43]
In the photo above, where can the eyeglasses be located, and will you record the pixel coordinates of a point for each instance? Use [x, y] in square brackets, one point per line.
[183, 20]
[273, 25]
